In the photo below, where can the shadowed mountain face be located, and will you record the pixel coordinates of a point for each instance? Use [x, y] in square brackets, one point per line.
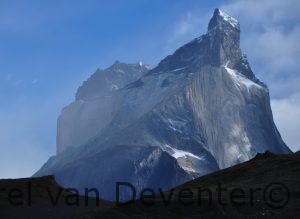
[92, 108]
[263, 174]
[200, 110]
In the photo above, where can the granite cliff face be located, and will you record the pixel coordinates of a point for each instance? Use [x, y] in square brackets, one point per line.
[200, 110]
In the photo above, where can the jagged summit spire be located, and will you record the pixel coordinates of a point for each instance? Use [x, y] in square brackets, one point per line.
[219, 47]
[221, 19]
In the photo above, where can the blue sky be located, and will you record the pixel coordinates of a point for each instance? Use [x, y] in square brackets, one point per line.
[47, 48]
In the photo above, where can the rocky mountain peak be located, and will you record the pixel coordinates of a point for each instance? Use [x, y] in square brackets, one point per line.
[118, 65]
[103, 82]
[200, 110]
[220, 46]
[222, 20]
[224, 37]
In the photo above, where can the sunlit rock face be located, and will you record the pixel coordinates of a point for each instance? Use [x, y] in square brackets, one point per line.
[200, 110]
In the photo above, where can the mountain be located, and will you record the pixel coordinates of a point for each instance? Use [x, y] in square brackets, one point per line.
[258, 173]
[91, 110]
[200, 110]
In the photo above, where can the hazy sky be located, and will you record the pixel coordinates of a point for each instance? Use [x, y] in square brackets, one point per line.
[47, 48]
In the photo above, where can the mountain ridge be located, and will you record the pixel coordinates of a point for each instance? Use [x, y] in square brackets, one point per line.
[202, 108]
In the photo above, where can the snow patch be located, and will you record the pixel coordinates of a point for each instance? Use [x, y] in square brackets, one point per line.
[178, 69]
[233, 22]
[172, 125]
[199, 39]
[120, 71]
[241, 79]
[175, 129]
[190, 169]
[114, 87]
[177, 125]
[180, 153]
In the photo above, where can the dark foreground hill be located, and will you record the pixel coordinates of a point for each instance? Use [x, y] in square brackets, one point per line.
[42, 198]
[266, 186]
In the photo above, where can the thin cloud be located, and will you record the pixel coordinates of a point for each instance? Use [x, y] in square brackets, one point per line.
[264, 13]
[190, 26]
[287, 116]
[27, 139]
[278, 48]
[25, 145]
[271, 41]
[274, 32]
